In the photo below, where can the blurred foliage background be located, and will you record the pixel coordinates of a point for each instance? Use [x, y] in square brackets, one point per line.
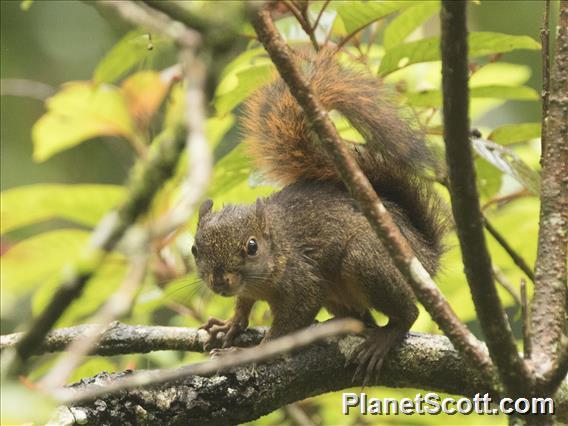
[52, 43]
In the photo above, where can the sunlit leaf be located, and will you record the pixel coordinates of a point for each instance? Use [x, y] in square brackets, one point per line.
[26, 4]
[514, 133]
[99, 288]
[231, 170]
[15, 395]
[489, 179]
[235, 88]
[144, 93]
[358, 14]
[509, 163]
[434, 97]
[491, 74]
[133, 49]
[217, 127]
[247, 59]
[84, 204]
[38, 259]
[79, 112]
[428, 49]
[345, 129]
[407, 21]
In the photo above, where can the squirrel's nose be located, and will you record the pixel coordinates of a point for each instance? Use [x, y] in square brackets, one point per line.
[222, 283]
[219, 286]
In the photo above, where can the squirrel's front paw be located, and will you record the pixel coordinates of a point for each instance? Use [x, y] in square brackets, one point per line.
[231, 328]
[218, 352]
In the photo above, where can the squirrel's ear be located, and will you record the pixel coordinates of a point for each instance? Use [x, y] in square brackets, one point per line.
[205, 208]
[261, 215]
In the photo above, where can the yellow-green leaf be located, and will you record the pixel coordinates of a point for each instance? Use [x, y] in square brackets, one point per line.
[358, 14]
[407, 21]
[99, 288]
[40, 258]
[515, 133]
[84, 204]
[133, 49]
[144, 93]
[80, 111]
[238, 86]
[433, 98]
[428, 49]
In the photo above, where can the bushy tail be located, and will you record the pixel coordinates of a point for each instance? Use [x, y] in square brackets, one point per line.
[394, 157]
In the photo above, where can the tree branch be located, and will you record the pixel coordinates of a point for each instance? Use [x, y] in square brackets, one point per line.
[235, 358]
[515, 257]
[122, 339]
[550, 294]
[370, 204]
[243, 394]
[465, 201]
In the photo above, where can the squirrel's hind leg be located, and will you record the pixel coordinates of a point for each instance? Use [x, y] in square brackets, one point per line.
[385, 290]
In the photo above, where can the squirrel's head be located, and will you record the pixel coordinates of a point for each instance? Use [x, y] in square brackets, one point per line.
[232, 249]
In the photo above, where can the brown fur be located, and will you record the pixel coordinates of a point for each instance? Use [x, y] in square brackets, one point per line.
[315, 247]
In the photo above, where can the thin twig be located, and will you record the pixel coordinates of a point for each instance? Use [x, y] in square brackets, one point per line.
[550, 293]
[200, 159]
[25, 88]
[370, 204]
[268, 350]
[465, 201]
[525, 313]
[118, 305]
[141, 15]
[503, 199]
[320, 14]
[517, 258]
[304, 21]
[506, 284]
[298, 416]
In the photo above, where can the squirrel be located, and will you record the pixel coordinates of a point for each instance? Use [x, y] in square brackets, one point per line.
[308, 245]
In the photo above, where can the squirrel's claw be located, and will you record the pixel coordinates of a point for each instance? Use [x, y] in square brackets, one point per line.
[369, 356]
[231, 328]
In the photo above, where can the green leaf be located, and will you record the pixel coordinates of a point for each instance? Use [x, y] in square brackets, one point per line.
[84, 204]
[407, 21]
[358, 14]
[428, 49]
[97, 291]
[35, 260]
[347, 132]
[433, 98]
[238, 86]
[26, 4]
[144, 93]
[217, 127]
[131, 50]
[231, 170]
[519, 93]
[488, 179]
[491, 74]
[509, 163]
[79, 112]
[515, 133]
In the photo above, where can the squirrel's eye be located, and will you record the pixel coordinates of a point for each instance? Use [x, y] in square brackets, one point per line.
[252, 247]
[194, 250]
